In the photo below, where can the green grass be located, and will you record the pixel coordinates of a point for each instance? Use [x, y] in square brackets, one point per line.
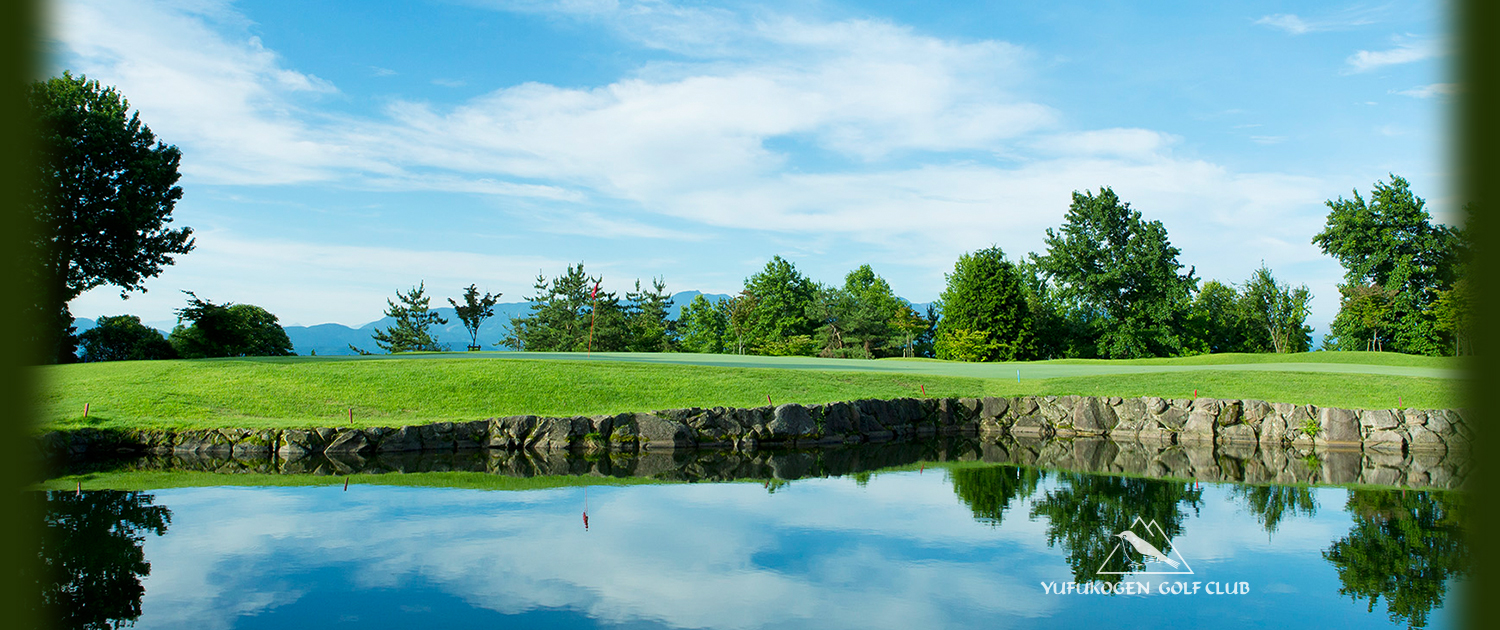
[320, 391]
[1238, 358]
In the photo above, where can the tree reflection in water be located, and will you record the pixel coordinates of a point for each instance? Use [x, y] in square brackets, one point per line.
[989, 490]
[1271, 504]
[1086, 513]
[1404, 545]
[92, 556]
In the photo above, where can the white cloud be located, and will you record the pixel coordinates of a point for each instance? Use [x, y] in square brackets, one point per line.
[671, 152]
[1433, 90]
[1406, 51]
[1286, 22]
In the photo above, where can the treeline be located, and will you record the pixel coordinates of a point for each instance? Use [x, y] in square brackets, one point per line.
[1109, 285]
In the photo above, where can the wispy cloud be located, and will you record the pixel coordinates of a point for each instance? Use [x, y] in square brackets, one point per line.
[1407, 50]
[1339, 20]
[1286, 22]
[1431, 91]
[1268, 139]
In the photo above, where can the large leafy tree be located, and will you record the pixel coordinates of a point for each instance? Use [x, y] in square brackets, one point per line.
[475, 309]
[124, 338]
[105, 190]
[704, 325]
[414, 316]
[1107, 258]
[1062, 325]
[1390, 243]
[1216, 320]
[782, 297]
[227, 330]
[985, 315]
[859, 319]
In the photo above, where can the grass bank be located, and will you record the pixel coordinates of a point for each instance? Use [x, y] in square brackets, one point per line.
[317, 391]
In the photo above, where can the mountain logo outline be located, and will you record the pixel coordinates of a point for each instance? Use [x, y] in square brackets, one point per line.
[1150, 544]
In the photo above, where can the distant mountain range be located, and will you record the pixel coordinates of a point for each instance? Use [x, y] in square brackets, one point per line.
[334, 339]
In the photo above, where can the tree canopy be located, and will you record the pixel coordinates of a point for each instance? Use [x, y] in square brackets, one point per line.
[1396, 265]
[475, 309]
[124, 338]
[985, 316]
[1105, 257]
[782, 297]
[105, 190]
[227, 330]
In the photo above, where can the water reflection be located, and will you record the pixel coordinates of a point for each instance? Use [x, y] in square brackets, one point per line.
[1085, 515]
[1272, 504]
[92, 556]
[963, 545]
[989, 490]
[1404, 546]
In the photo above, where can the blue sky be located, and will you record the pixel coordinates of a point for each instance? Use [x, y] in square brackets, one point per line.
[334, 152]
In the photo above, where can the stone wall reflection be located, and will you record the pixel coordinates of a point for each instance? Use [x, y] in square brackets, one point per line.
[92, 556]
[1249, 463]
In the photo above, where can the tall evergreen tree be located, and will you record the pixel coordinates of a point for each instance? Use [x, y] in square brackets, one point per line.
[985, 316]
[646, 314]
[571, 313]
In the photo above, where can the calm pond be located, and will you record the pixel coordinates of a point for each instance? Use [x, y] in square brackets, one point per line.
[917, 543]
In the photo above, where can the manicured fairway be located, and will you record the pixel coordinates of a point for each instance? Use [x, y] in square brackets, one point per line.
[321, 391]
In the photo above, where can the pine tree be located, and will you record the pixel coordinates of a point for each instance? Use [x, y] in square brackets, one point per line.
[413, 317]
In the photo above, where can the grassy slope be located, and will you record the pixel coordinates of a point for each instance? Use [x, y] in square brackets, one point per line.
[319, 392]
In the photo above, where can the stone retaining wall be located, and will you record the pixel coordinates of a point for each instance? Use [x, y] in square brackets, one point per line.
[1153, 421]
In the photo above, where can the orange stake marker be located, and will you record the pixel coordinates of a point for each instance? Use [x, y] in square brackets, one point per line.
[346, 484]
[85, 410]
[768, 400]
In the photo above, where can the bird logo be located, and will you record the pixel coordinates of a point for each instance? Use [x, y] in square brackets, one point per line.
[1153, 547]
[1146, 549]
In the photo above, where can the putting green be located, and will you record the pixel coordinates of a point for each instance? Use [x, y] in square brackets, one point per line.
[1025, 370]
